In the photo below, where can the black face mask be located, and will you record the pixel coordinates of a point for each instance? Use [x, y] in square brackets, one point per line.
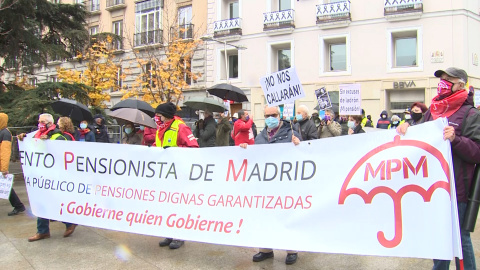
[416, 116]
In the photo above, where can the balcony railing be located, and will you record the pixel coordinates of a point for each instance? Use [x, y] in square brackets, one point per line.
[115, 4]
[227, 27]
[402, 6]
[184, 31]
[339, 11]
[148, 37]
[279, 19]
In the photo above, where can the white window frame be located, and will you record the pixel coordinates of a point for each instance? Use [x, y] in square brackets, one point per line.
[271, 49]
[120, 24]
[221, 64]
[271, 7]
[138, 20]
[391, 33]
[223, 11]
[324, 42]
[90, 29]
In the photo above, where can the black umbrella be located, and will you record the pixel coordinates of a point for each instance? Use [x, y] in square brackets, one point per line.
[73, 109]
[135, 104]
[205, 103]
[228, 92]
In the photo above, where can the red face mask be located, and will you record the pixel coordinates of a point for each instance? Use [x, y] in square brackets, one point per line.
[42, 127]
[444, 88]
[158, 120]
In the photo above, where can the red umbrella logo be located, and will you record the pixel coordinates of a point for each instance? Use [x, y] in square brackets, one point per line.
[384, 171]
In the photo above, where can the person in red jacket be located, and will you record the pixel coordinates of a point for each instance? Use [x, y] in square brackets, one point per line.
[242, 129]
[148, 135]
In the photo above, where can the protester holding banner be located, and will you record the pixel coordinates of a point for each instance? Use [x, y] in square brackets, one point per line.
[275, 131]
[84, 134]
[355, 124]
[456, 104]
[5, 153]
[172, 132]
[417, 110]
[328, 127]
[47, 130]
[131, 137]
[307, 127]
[242, 129]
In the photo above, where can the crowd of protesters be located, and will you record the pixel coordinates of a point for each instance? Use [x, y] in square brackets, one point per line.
[239, 129]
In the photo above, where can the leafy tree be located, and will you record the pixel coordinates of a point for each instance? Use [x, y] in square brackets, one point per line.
[100, 73]
[24, 106]
[34, 31]
[164, 74]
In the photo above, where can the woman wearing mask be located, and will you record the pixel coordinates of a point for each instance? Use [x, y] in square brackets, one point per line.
[84, 134]
[131, 137]
[395, 122]
[417, 110]
[354, 124]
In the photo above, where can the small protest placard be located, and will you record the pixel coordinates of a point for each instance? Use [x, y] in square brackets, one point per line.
[282, 87]
[6, 184]
[323, 99]
[288, 110]
[350, 99]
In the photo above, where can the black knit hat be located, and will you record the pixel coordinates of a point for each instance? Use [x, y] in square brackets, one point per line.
[166, 109]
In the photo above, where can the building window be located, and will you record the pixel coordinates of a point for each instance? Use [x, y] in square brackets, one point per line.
[335, 55]
[281, 56]
[234, 10]
[149, 73]
[187, 70]
[33, 82]
[94, 5]
[118, 79]
[233, 66]
[338, 57]
[117, 27]
[284, 57]
[148, 22]
[185, 26]
[230, 68]
[284, 4]
[404, 52]
[93, 30]
[53, 79]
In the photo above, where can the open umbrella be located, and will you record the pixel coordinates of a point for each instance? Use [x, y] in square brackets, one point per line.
[133, 115]
[205, 103]
[73, 109]
[135, 104]
[227, 91]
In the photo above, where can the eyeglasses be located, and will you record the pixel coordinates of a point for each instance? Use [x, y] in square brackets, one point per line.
[271, 115]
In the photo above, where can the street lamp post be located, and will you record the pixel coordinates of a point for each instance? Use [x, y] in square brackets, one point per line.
[210, 38]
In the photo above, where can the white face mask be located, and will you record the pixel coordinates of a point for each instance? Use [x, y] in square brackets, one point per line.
[351, 124]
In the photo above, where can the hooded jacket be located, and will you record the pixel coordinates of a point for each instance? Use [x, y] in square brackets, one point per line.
[101, 133]
[223, 132]
[465, 146]
[207, 135]
[383, 122]
[5, 143]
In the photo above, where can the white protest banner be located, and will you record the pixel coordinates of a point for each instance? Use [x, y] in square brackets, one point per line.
[350, 99]
[282, 87]
[390, 195]
[6, 184]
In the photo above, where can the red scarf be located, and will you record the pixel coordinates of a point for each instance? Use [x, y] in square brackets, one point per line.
[449, 105]
[39, 133]
[162, 128]
[83, 132]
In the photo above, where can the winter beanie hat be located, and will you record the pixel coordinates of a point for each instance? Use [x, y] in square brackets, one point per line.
[166, 109]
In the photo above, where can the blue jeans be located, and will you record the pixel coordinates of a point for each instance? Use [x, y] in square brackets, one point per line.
[43, 225]
[467, 247]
